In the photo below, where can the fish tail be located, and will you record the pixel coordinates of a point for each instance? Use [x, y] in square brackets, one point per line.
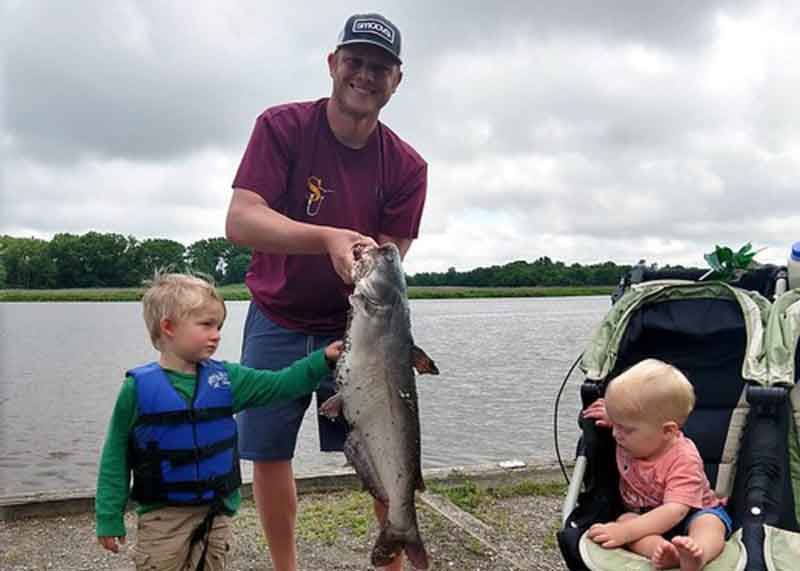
[390, 543]
[415, 551]
[386, 548]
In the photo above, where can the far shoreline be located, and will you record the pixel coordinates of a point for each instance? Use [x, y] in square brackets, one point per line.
[239, 292]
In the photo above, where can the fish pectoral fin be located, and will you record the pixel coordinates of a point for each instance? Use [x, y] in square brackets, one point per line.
[422, 363]
[356, 453]
[332, 407]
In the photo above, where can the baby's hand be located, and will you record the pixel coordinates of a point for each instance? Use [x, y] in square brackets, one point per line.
[334, 351]
[597, 411]
[609, 535]
[109, 543]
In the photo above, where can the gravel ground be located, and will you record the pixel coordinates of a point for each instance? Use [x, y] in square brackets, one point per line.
[335, 531]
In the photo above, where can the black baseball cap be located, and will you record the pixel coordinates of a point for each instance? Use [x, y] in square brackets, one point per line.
[371, 29]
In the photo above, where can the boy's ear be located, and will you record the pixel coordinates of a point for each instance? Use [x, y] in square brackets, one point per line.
[167, 327]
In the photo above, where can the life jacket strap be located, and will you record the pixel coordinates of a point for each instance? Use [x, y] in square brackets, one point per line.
[188, 416]
[181, 457]
[219, 484]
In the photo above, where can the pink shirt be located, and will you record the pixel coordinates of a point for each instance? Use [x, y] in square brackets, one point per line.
[295, 162]
[676, 476]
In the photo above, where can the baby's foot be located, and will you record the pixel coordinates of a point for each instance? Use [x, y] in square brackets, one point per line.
[665, 556]
[689, 553]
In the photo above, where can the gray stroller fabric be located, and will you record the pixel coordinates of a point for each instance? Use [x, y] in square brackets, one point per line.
[601, 353]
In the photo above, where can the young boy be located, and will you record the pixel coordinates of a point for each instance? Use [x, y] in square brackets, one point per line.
[673, 516]
[173, 429]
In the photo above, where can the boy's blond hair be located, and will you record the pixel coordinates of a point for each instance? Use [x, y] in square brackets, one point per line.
[175, 296]
[652, 390]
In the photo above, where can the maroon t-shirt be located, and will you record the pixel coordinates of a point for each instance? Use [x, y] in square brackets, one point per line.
[295, 162]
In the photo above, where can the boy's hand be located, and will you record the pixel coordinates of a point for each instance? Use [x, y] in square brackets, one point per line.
[334, 351]
[609, 535]
[597, 411]
[109, 543]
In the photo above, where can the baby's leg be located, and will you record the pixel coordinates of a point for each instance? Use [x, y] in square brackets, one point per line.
[705, 541]
[647, 545]
[665, 556]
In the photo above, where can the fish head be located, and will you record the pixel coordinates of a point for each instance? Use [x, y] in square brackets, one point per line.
[378, 274]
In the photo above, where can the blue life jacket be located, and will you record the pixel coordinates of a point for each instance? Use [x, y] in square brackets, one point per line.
[184, 453]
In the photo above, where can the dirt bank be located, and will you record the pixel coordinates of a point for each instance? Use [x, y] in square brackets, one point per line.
[465, 527]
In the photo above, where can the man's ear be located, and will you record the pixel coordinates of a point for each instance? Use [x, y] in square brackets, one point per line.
[399, 79]
[331, 63]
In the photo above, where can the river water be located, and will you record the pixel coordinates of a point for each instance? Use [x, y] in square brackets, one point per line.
[501, 361]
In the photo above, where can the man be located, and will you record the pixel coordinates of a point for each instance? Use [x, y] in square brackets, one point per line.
[318, 180]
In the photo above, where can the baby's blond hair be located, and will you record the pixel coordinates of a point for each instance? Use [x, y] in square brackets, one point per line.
[175, 296]
[651, 390]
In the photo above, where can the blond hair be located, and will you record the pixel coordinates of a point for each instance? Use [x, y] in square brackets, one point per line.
[175, 296]
[651, 390]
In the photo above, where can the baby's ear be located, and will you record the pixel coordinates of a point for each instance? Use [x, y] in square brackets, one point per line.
[670, 427]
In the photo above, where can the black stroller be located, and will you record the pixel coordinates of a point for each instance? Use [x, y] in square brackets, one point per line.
[718, 335]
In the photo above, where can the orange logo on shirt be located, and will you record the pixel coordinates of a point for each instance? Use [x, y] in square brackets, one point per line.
[316, 194]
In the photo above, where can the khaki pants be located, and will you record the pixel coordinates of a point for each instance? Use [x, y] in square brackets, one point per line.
[163, 540]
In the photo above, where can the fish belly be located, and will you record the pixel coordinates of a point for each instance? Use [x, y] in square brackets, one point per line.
[384, 434]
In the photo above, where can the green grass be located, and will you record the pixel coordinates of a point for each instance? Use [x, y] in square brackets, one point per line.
[327, 521]
[469, 496]
[239, 292]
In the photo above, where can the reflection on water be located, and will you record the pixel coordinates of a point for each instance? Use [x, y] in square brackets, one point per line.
[501, 363]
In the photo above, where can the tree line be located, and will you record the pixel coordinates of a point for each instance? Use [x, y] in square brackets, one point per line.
[99, 259]
[541, 272]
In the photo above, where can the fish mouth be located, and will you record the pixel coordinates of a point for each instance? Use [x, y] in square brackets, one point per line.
[375, 274]
[364, 262]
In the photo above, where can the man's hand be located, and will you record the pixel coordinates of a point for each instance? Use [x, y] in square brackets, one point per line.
[342, 245]
[597, 411]
[109, 543]
[609, 535]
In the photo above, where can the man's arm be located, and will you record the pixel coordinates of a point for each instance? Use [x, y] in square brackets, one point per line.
[252, 223]
[403, 244]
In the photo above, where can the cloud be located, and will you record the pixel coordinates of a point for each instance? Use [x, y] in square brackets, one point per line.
[582, 131]
[183, 199]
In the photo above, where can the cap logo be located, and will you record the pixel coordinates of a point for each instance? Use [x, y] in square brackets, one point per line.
[365, 26]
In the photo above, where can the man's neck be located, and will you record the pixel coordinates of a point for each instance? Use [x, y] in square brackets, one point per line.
[350, 130]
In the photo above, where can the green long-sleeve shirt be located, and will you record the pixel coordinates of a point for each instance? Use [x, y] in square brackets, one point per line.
[250, 387]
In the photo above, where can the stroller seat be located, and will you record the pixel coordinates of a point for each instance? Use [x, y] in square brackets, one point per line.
[733, 558]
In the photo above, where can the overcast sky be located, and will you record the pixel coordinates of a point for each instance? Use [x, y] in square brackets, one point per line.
[584, 131]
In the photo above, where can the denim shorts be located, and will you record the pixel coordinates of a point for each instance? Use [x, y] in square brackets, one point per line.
[270, 432]
[683, 527]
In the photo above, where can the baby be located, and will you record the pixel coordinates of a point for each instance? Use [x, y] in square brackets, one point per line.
[671, 514]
